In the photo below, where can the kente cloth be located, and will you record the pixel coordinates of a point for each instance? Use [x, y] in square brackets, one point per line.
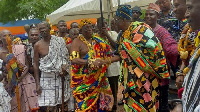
[67, 39]
[191, 92]
[4, 99]
[169, 45]
[50, 67]
[91, 88]
[143, 66]
[27, 87]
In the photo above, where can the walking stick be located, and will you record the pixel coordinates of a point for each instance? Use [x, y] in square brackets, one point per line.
[101, 11]
[63, 96]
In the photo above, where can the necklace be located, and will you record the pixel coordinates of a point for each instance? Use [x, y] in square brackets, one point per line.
[85, 41]
[194, 59]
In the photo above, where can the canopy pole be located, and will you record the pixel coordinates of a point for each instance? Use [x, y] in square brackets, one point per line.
[118, 2]
[109, 20]
[101, 13]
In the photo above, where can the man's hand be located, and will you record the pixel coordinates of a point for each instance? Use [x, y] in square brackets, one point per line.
[63, 70]
[104, 32]
[38, 89]
[98, 63]
[179, 81]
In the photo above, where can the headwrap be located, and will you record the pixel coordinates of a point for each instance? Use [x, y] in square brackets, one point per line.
[84, 22]
[124, 11]
[154, 7]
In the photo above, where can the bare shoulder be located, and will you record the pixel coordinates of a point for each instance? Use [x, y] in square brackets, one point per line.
[38, 44]
[76, 42]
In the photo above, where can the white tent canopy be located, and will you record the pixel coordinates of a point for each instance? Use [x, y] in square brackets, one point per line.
[79, 9]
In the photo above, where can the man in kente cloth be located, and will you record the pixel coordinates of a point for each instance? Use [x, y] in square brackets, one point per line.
[91, 88]
[142, 61]
[52, 59]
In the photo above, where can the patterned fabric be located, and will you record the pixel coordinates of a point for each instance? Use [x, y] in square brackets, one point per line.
[30, 53]
[91, 89]
[143, 65]
[174, 26]
[50, 67]
[168, 43]
[53, 60]
[186, 44]
[4, 99]
[163, 19]
[124, 11]
[191, 92]
[154, 7]
[14, 69]
[26, 87]
[84, 22]
[67, 39]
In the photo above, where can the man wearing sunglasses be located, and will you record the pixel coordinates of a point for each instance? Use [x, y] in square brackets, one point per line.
[136, 11]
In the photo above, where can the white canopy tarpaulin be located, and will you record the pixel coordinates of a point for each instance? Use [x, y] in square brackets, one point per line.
[79, 9]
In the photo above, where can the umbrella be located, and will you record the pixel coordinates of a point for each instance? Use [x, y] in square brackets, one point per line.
[79, 9]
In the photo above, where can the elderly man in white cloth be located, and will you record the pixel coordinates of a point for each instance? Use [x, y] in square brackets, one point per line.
[52, 59]
[4, 96]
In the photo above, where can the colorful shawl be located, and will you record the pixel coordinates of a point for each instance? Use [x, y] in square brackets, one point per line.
[143, 65]
[92, 90]
[14, 69]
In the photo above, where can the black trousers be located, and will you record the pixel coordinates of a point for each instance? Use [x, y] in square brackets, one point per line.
[113, 81]
[163, 101]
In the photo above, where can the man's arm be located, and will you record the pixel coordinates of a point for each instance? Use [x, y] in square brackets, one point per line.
[36, 66]
[75, 49]
[25, 69]
[105, 32]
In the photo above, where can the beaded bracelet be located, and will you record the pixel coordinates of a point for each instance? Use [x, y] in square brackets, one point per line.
[179, 73]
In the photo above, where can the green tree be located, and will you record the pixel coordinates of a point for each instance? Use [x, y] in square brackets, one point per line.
[12, 10]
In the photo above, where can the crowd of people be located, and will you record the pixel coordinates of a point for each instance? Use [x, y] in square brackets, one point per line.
[79, 69]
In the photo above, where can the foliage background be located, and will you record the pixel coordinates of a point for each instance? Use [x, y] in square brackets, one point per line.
[12, 10]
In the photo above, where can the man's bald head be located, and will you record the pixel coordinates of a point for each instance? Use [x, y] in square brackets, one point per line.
[26, 28]
[3, 35]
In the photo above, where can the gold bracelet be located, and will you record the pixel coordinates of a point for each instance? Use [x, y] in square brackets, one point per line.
[90, 63]
[74, 54]
[110, 61]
